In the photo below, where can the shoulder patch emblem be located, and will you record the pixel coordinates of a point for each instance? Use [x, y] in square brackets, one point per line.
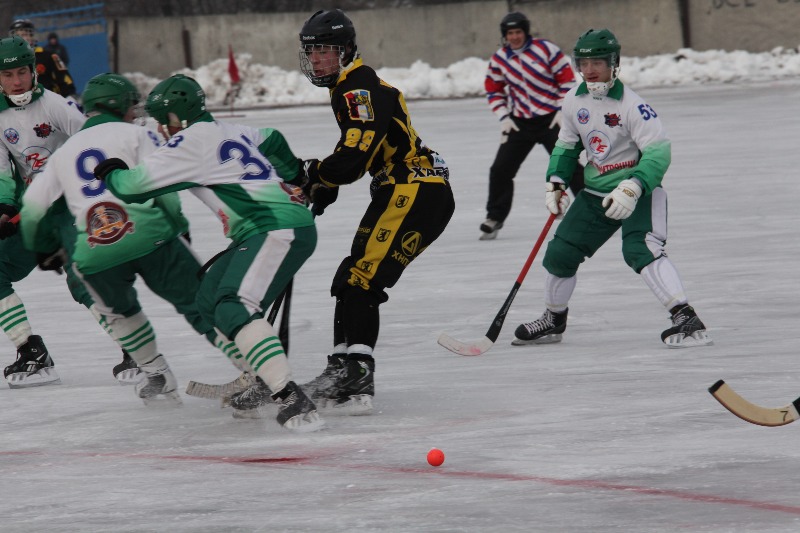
[359, 105]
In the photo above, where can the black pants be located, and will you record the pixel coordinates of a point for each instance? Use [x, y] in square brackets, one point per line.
[512, 154]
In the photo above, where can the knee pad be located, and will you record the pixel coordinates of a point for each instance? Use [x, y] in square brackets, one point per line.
[562, 259]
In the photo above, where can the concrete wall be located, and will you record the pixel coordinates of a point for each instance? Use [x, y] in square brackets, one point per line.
[443, 34]
[752, 25]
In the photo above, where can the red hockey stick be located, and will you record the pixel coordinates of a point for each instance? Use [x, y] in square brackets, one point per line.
[483, 345]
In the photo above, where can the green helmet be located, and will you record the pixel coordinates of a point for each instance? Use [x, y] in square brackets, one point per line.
[109, 93]
[179, 95]
[16, 52]
[598, 43]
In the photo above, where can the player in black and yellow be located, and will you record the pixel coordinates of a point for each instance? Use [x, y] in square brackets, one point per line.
[411, 201]
[51, 71]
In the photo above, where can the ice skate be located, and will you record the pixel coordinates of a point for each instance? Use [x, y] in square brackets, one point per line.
[687, 329]
[322, 385]
[247, 404]
[127, 372]
[158, 386]
[296, 410]
[489, 229]
[33, 367]
[546, 329]
[353, 392]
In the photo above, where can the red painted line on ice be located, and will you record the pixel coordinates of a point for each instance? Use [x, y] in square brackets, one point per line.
[319, 461]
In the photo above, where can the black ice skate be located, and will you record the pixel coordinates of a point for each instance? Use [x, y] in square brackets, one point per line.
[246, 404]
[296, 410]
[324, 385]
[687, 329]
[159, 384]
[127, 372]
[489, 229]
[546, 329]
[33, 367]
[353, 392]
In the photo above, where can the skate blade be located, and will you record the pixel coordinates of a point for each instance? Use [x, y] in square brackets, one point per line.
[130, 376]
[488, 236]
[22, 380]
[305, 423]
[358, 405]
[168, 399]
[547, 339]
[681, 340]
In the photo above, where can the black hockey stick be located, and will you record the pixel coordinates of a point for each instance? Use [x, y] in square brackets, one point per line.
[750, 412]
[285, 299]
[481, 346]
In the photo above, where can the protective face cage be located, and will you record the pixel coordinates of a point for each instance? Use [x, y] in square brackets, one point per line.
[322, 72]
[601, 88]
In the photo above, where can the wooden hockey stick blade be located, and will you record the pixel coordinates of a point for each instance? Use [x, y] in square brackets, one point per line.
[465, 348]
[750, 412]
[483, 345]
[215, 392]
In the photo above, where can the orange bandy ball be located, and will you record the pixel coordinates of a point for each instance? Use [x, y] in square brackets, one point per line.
[435, 457]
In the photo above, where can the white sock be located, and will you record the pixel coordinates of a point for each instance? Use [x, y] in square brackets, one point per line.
[14, 320]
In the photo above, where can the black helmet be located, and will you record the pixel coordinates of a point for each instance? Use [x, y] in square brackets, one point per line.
[514, 21]
[329, 27]
[24, 28]
[332, 29]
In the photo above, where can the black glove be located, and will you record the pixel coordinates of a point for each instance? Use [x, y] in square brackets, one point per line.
[108, 166]
[310, 170]
[7, 228]
[52, 260]
[322, 197]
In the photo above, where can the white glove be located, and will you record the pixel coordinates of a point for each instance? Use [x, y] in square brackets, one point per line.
[556, 198]
[556, 120]
[507, 125]
[622, 200]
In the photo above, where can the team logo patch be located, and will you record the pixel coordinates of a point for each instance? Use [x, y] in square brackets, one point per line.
[12, 136]
[612, 119]
[359, 105]
[106, 223]
[583, 115]
[410, 242]
[401, 201]
[599, 144]
[43, 130]
[36, 157]
[383, 235]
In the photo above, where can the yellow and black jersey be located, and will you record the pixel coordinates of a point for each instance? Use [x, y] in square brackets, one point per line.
[376, 135]
[53, 74]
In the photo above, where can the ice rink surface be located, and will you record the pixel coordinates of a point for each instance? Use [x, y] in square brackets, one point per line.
[608, 431]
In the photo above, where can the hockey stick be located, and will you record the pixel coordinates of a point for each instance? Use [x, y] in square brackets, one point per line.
[750, 412]
[483, 345]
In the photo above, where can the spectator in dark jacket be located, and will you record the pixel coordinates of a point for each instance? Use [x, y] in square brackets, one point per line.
[54, 46]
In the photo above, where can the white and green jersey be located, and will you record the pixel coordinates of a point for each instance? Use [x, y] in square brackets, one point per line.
[109, 232]
[245, 168]
[31, 133]
[621, 135]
